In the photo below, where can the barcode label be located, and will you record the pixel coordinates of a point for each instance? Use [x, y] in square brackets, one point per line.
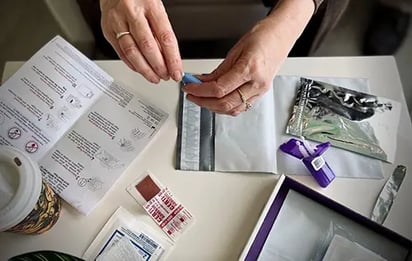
[195, 139]
[190, 142]
[318, 162]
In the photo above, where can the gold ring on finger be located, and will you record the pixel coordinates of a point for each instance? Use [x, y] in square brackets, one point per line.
[120, 34]
[242, 97]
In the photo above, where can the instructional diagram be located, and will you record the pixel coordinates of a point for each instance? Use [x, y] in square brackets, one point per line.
[71, 117]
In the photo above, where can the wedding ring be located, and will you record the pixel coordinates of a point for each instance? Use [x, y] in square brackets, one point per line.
[242, 97]
[244, 100]
[119, 35]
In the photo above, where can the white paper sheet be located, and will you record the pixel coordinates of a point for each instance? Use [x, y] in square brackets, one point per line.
[70, 116]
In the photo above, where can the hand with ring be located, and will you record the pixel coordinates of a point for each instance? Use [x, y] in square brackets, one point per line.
[250, 66]
[141, 34]
[244, 76]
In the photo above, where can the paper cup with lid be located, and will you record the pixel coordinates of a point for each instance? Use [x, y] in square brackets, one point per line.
[27, 204]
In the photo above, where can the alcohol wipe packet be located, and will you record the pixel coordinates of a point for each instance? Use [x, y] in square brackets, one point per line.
[161, 205]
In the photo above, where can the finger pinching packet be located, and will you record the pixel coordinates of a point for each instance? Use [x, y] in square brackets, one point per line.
[161, 205]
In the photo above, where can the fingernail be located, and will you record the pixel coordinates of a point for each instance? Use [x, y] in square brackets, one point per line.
[177, 76]
[154, 80]
[164, 75]
[236, 113]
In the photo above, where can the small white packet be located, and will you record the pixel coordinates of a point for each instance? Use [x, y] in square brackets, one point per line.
[158, 201]
[123, 237]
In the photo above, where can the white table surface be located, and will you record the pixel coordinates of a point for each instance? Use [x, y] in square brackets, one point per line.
[226, 205]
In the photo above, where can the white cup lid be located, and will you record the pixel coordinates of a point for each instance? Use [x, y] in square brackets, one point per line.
[20, 186]
[9, 182]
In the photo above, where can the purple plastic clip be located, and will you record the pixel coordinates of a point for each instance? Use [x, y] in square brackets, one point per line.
[311, 158]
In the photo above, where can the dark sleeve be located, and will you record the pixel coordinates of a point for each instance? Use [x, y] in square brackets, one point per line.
[332, 12]
[91, 13]
[317, 4]
[326, 15]
[272, 3]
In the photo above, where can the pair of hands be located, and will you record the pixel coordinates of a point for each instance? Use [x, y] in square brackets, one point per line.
[151, 49]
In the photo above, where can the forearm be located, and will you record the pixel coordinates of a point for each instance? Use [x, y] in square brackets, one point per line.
[288, 19]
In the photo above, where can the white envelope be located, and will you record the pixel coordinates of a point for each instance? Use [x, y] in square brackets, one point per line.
[250, 142]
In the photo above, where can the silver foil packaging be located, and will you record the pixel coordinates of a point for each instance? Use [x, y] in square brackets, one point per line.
[347, 118]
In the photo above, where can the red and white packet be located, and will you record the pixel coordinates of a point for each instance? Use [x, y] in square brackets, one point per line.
[158, 201]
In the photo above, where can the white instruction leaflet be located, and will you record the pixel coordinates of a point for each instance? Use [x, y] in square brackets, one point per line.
[71, 117]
